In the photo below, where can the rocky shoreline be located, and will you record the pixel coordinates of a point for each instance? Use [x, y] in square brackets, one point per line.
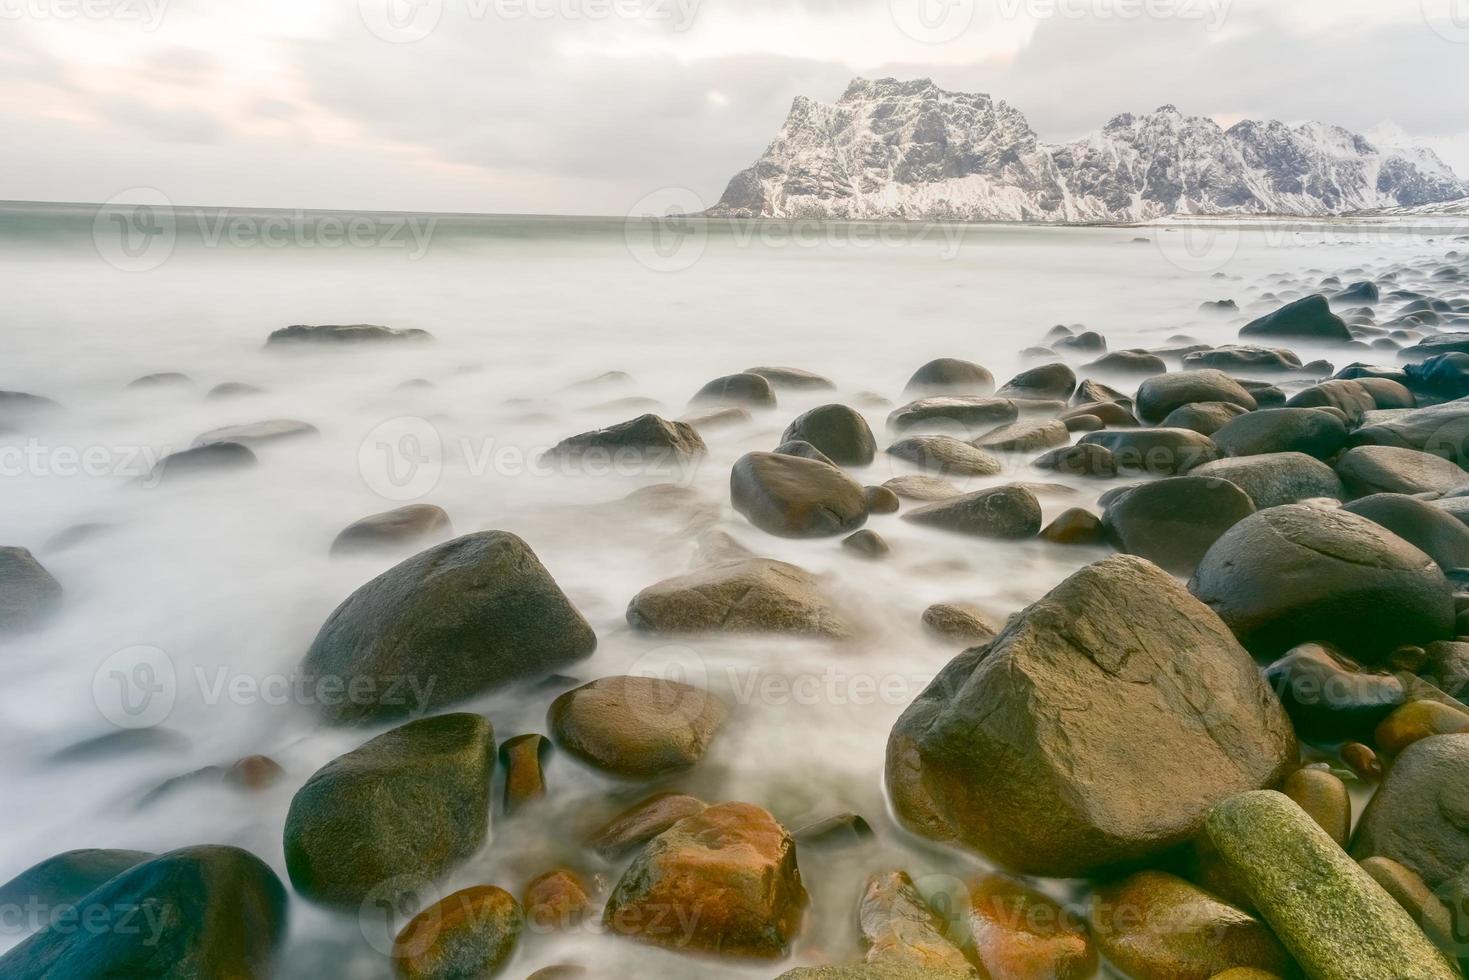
[1232, 749]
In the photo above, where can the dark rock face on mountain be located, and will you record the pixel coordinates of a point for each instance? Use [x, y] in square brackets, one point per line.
[908, 149]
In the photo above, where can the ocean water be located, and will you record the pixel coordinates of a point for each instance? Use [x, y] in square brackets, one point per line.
[222, 582]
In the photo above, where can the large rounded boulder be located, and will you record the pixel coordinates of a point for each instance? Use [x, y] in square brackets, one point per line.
[1274, 479]
[1283, 430]
[206, 911]
[738, 595]
[950, 376]
[1420, 815]
[408, 805]
[1161, 394]
[637, 727]
[468, 616]
[794, 497]
[1009, 512]
[1095, 731]
[1173, 522]
[841, 433]
[1432, 531]
[1302, 574]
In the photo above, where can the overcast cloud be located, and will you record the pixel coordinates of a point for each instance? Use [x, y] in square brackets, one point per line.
[585, 106]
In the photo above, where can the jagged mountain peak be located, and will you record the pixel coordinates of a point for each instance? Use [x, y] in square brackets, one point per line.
[910, 149]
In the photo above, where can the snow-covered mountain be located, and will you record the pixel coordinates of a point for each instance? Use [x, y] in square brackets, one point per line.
[909, 149]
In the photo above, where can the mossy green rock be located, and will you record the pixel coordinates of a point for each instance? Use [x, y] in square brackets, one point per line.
[404, 808]
[200, 912]
[1336, 921]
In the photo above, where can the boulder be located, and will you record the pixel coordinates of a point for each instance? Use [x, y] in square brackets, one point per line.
[206, 911]
[1329, 698]
[1090, 390]
[258, 433]
[1309, 318]
[791, 378]
[471, 933]
[1299, 574]
[1174, 522]
[737, 390]
[1249, 359]
[1205, 418]
[1350, 397]
[867, 543]
[28, 593]
[1415, 721]
[1274, 479]
[1282, 430]
[1390, 469]
[1429, 529]
[356, 333]
[970, 412]
[1160, 395]
[899, 928]
[838, 431]
[803, 449]
[1325, 798]
[755, 595]
[63, 880]
[1016, 931]
[462, 618]
[961, 622]
[217, 457]
[1045, 383]
[525, 780]
[948, 375]
[881, 500]
[1156, 926]
[639, 824]
[1161, 452]
[1074, 525]
[647, 440]
[926, 488]
[1022, 437]
[1128, 362]
[1000, 512]
[408, 805]
[945, 454]
[1335, 921]
[1442, 430]
[1083, 459]
[393, 529]
[724, 880]
[1442, 376]
[1025, 750]
[793, 497]
[637, 727]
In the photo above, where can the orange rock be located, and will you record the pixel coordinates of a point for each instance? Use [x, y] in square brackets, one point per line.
[1417, 720]
[556, 900]
[1020, 934]
[469, 933]
[524, 781]
[1362, 760]
[721, 881]
[254, 772]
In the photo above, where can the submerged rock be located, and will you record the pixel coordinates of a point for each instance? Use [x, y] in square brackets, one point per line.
[1329, 698]
[746, 390]
[465, 617]
[948, 375]
[28, 593]
[1160, 395]
[1015, 931]
[1024, 437]
[647, 439]
[65, 879]
[1309, 318]
[471, 933]
[637, 727]
[1300, 574]
[791, 378]
[924, 488]
[724, 880]
[393, 529]
[945, 454]
[1044, 383]
[217, 457]
[971, 412]
[642, 822]
[1013, 749]
[257, 433]
[357, 333]
[408, 805]
[900, 929]
[794, 497]
[756, 595]
[961, 622]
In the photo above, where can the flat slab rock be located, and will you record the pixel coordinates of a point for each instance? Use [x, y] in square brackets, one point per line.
[755, 595]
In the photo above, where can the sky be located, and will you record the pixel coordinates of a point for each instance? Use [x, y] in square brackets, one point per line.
[589, 106]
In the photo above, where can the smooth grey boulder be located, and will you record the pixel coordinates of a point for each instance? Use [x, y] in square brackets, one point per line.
[838, 431]
[1282, 430]
[1162, 452]
[969, 412]
[1025, 436]
[66, 878]
[747, 390]
[1045, 383]
[1419, 816]
[794, 379]
[1007, 512]
[949, 375]
[1205, 418]
[1348, 396]
[794, 497]
[216, 457]
[1174, 522]
[1309, 318]
[648, 439]
[1390, 469]
[458, 620]
[739, 595]
[1301, 574]
[393, 529]
[1274, 479]
[945, 454]
[1161, 394]
[1028, 749]
[1437, 534]
[355, 333]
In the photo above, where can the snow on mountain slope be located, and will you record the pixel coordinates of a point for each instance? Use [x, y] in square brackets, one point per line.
[909, 149]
